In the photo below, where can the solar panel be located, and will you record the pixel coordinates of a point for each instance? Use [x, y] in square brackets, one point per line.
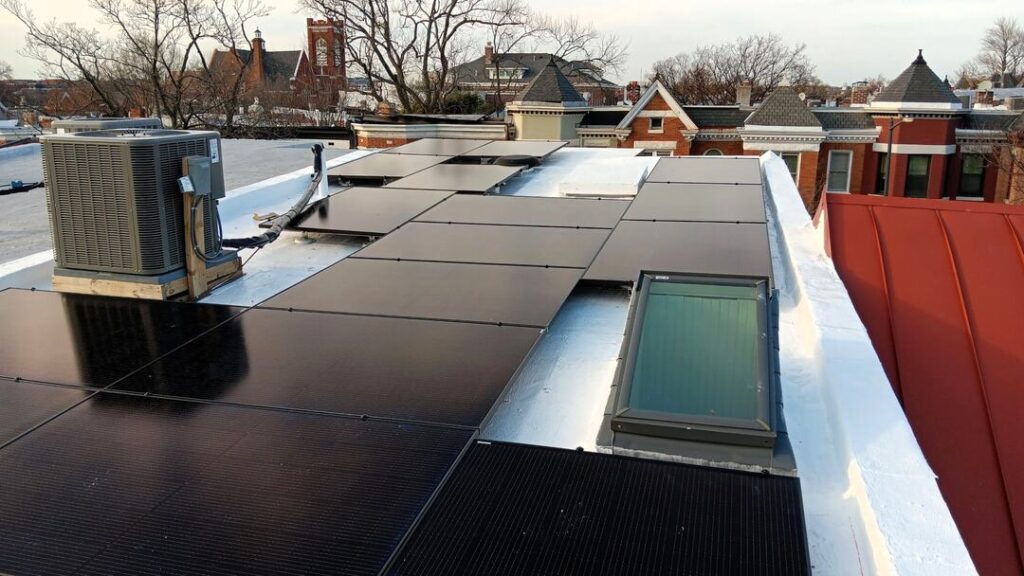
[27, 404]
[698, 203]
[522, 245]
[130, 485]
[90, 340]
[470, 178]
[383, 166]
[448, 372]
[683, 247]
[527, 211]
[706, 170]
[523, 295]
[437, 146]
[367, 211]
[514, 510]
[537, 149]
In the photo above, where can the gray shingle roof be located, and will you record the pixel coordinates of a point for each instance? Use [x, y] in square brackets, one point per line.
[783, 108]
[843, 119]
[278, 65]
[717, 116]
[532, 62]
[999, 121]
[550, 86]
[918, 84]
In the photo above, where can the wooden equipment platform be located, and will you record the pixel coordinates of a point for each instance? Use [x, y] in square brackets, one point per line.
[124, 286]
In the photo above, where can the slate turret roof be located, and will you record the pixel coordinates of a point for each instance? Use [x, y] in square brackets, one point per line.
[783, 108]
[918, 84]
[550, 86]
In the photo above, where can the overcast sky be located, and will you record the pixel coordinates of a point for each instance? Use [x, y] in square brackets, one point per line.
[847, 40]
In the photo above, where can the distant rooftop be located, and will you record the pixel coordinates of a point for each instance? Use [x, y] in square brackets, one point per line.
[918, 84]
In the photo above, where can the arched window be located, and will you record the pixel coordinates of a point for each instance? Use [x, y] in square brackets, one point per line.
[337, 54]
[713, 152]
[321, 52]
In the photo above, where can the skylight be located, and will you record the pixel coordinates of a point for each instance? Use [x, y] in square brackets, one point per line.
[696, 363]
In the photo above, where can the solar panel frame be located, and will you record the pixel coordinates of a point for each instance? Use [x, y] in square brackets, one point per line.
[539, 149]
[383, 167]
[208, 488]
[425, 371]
[362, 211]
[489, 244]
[437, 147]
[465, 178]
[527, 211]
[707, 170]
[25, 405]
[660, 202]
[511, 295]
[711, 248]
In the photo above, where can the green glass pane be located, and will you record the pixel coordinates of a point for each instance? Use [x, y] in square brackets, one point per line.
[698, 351]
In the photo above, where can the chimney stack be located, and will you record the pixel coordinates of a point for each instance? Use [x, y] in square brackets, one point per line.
[633, 92]
[489, 53]
[743, 92]
[257, 56]
[859, 94]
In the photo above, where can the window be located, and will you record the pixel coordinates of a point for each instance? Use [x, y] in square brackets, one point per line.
[792, 160]
[882, 181]
[839, 171]
[917, 176]
[657, 124]
[696, 361]
[972, 177]
[337, 55]
[321, 52]
[713, 152]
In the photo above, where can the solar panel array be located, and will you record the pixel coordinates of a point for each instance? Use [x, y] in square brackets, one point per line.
[310, 433]
[383, 167]
[467, 178]
[498, 148]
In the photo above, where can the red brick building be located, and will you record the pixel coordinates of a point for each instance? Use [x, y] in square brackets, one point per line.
[939, 149]
[326, 47]
[274, 71]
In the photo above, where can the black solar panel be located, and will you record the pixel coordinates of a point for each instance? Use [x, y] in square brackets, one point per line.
[438, 146]
[511, 510]
[27, 404]
[471, 178]
[697, 203]
[523, 295]
[535, 148]
[383, 166]
[91, 340]
[134, 486]
[521, 245]
[527, 211]
[707, 170]
[368, 211]
[446, 372]
[683, 247]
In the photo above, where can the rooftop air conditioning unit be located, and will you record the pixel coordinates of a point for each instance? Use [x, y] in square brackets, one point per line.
[114, 201]
[92, 124]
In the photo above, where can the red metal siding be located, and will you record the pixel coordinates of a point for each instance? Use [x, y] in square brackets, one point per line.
[938, 286]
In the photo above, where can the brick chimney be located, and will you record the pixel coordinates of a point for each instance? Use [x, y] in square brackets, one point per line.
[983, 98]
[743, 92]
[633, 92]
[256, 60]
[489, 53]
[859, 94]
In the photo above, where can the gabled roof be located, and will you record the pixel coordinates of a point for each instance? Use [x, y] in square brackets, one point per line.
[279, 65]
[844, 118]
[550, 86]
[918, 84]
[783, 108]
[934, 283]
[532, 63]
[717, 116]
[657, 88]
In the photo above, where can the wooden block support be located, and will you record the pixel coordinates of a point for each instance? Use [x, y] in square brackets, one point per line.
[218, 274]
[195, 228]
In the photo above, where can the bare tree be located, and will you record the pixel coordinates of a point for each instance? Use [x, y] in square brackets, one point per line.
[1002, 49]
[711, 73]
[517, 26]
[583, 45]
[1008, 159]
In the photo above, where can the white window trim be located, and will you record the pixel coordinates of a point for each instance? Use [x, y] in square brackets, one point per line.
[799, 161]
[709, 151]
[650, 125]
[849, 170]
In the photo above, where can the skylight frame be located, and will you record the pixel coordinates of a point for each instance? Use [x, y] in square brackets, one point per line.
[759, 432]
